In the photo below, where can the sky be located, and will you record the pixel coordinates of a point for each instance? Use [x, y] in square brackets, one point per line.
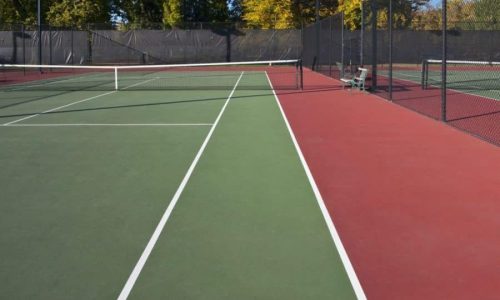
[434, 2]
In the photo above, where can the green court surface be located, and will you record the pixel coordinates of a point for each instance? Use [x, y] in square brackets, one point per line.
[173, 194]
[473, 82]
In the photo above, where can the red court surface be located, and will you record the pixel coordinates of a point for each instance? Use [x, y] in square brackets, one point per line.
[416, 202]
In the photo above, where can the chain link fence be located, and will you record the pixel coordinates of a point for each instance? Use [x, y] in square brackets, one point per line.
[443, 61]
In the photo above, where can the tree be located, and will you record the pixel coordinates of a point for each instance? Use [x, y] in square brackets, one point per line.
[460, 14]
[488, 13]
[269, 14]
[285, 13]
[205, 11]
[19, 11]
[172, 12]
[403, 11]
[139, 12]
[68, 13]
[428, 18]
[352, 13]
[305, 10]
[235, 10]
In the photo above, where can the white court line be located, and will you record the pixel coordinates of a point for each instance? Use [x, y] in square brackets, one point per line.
[166, 215]
[57, 108]
[108, 124]
[356, 285]
[76, 102]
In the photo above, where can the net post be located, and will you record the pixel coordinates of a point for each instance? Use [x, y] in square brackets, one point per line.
[444, 61]
[116, 79]
[422, 76]
[300, 74]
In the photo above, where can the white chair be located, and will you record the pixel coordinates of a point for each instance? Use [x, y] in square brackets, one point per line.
[356, 81]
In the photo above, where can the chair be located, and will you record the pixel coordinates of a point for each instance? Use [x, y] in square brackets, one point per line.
[356, 81]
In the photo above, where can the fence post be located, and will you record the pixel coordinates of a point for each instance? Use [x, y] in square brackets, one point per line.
[342, 44]
[443, 62]
[72, 46]
[50, 45]
[301, 50]
[229, 32]
[390, 50]
[89, 44]
[330, 30]
[374, 45]
[23, 32]
[40, 45]
[362, 34]
[318, 29]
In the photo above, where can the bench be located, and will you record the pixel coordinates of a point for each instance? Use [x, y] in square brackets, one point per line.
[356, 81]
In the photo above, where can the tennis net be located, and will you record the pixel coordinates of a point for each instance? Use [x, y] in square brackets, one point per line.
[287, 74]
[462, 75]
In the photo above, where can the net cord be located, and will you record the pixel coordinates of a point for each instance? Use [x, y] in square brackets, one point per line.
[267, 62]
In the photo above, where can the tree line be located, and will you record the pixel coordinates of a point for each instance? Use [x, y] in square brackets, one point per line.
[280, 14]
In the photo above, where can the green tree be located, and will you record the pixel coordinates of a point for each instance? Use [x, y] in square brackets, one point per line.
[487, 13]
[139, 12]
[22, 11]
[205, 10]
[235, 10]
[78, 13]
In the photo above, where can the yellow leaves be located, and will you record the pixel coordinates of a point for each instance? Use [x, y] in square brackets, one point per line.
[352, 13]
[172, 15]
[268, 14]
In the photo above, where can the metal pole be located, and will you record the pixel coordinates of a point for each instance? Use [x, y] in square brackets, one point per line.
[362, 34]
[24, 47]
[390, 50]
[50, 45]
[301, 40]
[317, 10]
[39, 23]
[443, 63]
[72, 46]
[342, 44]
[317, 26]
[330, 47]
[374, 45]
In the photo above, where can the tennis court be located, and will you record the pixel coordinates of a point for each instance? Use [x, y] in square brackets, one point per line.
[142, 192]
